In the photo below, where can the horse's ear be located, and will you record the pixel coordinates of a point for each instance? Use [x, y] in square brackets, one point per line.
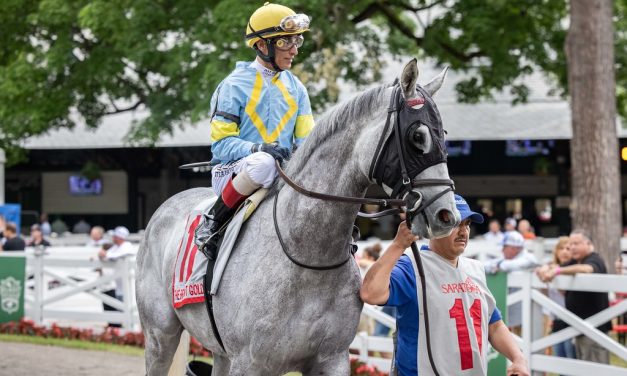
[436, 83]
[409, 78]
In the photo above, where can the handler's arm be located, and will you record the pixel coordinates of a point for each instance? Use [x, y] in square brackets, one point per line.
[503, 342]
[376, 286]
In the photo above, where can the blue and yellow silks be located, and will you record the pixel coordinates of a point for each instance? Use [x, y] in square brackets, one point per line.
[251, 110]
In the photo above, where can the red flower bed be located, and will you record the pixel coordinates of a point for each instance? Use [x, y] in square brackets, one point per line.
[109, 335]
[117, 337]
[359, 368]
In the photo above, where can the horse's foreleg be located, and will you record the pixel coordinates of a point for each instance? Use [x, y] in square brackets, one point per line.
[162, 331]
[160, 348]
[338, 365]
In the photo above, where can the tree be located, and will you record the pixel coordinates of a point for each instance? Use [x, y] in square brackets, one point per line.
[594, 147]
[61, 60]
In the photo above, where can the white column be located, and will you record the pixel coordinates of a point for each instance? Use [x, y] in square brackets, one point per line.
[2, 162]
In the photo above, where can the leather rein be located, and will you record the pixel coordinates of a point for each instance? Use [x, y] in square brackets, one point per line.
[411, 207]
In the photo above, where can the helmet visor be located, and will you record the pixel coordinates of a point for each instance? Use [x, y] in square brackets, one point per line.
[297, 23]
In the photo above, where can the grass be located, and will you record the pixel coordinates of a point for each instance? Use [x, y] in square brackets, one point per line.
[84, 345]
[73, 344]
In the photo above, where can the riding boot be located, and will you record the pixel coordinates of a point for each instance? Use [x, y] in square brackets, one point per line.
[209, 231]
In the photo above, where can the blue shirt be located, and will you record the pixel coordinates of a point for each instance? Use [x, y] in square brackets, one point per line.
[403, 296]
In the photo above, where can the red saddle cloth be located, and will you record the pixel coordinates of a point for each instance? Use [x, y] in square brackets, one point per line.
[190, 266]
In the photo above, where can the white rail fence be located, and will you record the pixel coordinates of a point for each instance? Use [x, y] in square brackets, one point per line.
[65, 284]
[533, 341]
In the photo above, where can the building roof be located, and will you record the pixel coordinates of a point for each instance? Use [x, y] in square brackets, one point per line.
[112, 134]
[543, 117]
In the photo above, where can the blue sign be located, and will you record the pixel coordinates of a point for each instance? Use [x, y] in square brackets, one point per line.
[12, 213]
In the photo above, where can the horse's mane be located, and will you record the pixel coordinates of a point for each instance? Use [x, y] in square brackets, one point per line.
[352, 111]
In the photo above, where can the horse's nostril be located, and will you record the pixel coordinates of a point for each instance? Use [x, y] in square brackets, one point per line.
[445, 216]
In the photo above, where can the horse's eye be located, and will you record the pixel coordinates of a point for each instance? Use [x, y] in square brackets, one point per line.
[417, 136]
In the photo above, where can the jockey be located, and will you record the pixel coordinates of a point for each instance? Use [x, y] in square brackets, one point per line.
[260, 112]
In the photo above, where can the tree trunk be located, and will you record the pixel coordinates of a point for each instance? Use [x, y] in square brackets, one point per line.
[596, 199]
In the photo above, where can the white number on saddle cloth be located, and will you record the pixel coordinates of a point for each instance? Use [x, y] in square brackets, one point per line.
[191, 265]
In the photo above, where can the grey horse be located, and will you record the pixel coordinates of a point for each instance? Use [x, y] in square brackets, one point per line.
[274, 316]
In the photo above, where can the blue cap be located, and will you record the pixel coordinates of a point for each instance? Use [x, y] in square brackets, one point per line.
[464, 210]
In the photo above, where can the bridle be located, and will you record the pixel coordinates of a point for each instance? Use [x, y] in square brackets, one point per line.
[411, 202]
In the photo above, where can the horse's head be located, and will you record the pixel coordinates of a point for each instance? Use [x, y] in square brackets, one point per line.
[410, 160]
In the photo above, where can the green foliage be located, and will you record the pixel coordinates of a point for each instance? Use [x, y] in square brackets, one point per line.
[63, 61]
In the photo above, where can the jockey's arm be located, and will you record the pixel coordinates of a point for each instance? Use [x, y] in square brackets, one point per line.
[304, 120]
[225, 142]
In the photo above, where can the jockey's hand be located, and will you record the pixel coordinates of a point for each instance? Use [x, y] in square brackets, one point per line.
[275, 150]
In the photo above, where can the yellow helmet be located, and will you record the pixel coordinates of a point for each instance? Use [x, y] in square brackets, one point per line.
[273, 20]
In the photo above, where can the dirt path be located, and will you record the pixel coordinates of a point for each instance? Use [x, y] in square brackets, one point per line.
[25, 359]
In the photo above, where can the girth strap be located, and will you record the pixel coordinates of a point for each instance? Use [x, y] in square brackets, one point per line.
[209, 300]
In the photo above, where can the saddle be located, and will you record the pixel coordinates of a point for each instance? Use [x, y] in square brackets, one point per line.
[192, 266]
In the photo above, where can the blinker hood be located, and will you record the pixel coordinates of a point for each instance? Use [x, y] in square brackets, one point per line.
[389, 158]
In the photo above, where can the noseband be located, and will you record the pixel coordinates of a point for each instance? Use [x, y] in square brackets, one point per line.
[411, 200]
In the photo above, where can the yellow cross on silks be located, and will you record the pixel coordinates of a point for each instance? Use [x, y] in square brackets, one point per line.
[254, 117]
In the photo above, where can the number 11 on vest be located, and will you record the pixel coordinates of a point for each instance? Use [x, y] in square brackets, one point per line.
[463, 335]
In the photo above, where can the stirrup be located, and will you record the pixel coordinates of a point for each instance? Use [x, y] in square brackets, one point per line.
[218, 236]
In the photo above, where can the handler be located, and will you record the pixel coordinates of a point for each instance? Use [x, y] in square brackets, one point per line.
[462, 311]
[260, 112]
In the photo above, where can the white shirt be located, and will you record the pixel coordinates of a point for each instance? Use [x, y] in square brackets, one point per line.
[267, 74]
[118, 251]
[115, 253]
[524, 260]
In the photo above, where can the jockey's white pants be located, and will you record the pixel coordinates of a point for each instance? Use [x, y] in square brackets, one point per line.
[259, 168]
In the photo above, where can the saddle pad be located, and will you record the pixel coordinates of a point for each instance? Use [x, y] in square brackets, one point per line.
[191, 265]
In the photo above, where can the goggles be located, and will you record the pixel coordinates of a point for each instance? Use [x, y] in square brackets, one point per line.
[297, 23]
[294, 24]
[287, 42]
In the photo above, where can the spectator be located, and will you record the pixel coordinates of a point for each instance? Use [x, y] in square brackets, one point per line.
[120, 249]
[369, 256]
[81, 227]
[584, 303]
[14, 241]
[454, 283]
[96, 237]
[510, 224]
[562, 255]
[37, 237]
[524, 227]
[59, 227]
[619, 265]
[3, 226]
[515, 258]
[46, 229]
[494, 234]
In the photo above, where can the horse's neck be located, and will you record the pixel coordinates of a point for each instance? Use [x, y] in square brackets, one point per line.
[317, 230]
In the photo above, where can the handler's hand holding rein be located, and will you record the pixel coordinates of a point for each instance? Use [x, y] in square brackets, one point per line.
[404, 237]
